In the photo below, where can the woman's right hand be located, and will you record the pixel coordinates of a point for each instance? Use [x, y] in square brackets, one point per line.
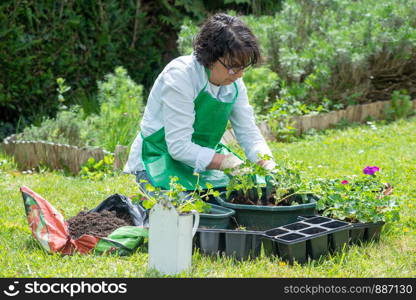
[222, 162]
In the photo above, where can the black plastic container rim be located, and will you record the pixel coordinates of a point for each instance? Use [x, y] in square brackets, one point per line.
[234, 231]
[355, 225]
[226, 212]
[368, 225]
[219, 199]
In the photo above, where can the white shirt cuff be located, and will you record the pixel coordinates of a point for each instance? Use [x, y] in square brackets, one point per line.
[203, 159]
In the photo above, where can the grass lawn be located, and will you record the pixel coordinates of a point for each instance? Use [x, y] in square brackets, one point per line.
[333, 153]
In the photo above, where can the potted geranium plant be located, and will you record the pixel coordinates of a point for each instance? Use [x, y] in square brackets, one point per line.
[364, 200]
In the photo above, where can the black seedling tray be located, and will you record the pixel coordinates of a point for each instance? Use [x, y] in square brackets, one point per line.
[358, 233]
[312, 236]
[292, 242]
[363, 232]
[240, 244]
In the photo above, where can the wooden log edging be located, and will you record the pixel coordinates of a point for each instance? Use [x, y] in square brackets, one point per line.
[32, 154]
[353, 113]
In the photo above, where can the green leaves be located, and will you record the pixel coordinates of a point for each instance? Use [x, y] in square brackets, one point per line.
[281, 183]
[95, 171]
[183, 202]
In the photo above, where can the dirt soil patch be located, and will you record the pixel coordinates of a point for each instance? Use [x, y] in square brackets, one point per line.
[99, 224]
[285, 200]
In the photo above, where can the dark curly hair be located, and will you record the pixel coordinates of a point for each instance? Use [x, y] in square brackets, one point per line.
[226, 36]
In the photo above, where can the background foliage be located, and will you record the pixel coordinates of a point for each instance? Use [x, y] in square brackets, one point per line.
[82, 41]
[333, 53]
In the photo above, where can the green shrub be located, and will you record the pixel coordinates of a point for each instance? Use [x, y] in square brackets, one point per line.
[76, 40]
[342, 49]
[121, 107]
[399, 107]
[262, 84]
[187, 33]
[67, 128]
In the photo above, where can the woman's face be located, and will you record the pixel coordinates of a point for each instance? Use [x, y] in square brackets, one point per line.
[220, 74]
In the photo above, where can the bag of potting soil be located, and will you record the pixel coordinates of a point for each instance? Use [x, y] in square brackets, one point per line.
[123, 205]
[108, 228]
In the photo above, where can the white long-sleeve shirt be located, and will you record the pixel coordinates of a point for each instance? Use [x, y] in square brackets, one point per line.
[171, 105]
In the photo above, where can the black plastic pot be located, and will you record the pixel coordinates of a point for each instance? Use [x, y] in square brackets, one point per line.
[218, 217]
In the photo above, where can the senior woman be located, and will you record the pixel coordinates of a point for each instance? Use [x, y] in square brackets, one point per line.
[189, 107]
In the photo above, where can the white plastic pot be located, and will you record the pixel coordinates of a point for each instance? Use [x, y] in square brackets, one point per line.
[170, 239]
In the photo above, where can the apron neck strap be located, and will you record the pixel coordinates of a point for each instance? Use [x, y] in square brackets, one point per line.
[208, 72]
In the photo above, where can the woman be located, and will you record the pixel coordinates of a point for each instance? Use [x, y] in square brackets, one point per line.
[189, 107]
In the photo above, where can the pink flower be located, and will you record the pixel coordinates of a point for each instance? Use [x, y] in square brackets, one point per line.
[344, 182]
[371, 170]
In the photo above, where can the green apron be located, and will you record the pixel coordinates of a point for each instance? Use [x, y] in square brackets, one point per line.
[211, 118]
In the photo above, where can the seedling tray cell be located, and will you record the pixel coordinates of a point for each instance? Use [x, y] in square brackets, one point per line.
[296, 226]
[317, 247]
[242, 246]
[338, 240]
[275, 232]
[291, 237]
[362, 232]
[317, 220]
[357, 233]
[373, 231]
[293, 252]
[269, 247]
[334, 224]
[211, 243]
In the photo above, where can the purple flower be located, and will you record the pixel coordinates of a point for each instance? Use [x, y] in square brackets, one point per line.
[344, 182]
[370, 170]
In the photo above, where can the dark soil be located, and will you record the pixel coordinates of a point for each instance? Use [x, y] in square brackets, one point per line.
[240, 198]
[97, 224]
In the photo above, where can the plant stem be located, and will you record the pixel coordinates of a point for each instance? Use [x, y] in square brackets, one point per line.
[295, 193]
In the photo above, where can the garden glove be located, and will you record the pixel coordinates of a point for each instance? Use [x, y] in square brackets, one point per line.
[231, 162]
[269, 165]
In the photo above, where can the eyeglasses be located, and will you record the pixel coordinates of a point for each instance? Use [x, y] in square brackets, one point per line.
[233, 71]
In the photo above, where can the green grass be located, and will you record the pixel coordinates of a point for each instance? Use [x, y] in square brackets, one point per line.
[329, 154]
